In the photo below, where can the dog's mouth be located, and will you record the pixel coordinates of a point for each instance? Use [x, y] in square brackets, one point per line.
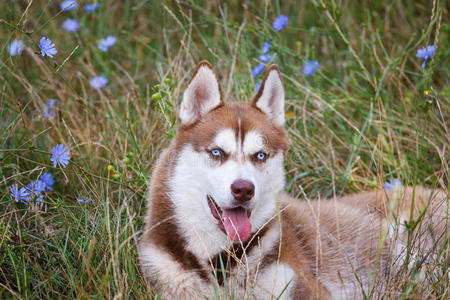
[234, 222]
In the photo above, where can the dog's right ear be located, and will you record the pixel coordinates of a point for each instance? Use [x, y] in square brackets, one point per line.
[202, 95]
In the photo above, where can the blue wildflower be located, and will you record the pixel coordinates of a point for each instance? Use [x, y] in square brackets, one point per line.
[91, 7]
[48, 113]
[257, 86]
[37, 186]
[35, 190]
[47, 47]
[48, 181]
[265, 58]
[69, 5]
[80, 200]
[266, 46]
[19, 195]
[310, 67]
[60, 155]
[426, 53]
[98, 82]
[257, 70]
[71, 25]
[106, 43]
[15, 48]
[280, 22]
[394, 184]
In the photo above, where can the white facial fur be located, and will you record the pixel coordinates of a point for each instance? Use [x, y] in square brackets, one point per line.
[253, 143]
[226, 140]
[197, 175]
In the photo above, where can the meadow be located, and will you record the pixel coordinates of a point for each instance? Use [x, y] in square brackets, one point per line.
[362, 110]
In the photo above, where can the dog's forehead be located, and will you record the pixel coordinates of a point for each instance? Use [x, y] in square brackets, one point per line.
[253, 142]
[235, 127]
[226, 139]
[231, 142]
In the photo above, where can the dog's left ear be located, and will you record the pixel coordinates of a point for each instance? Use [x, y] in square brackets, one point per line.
[270, 97]
[201, 96]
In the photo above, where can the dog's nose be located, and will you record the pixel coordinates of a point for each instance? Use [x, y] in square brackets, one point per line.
[242, 190]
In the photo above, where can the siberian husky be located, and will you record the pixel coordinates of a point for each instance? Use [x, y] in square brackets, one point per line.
[219, 224]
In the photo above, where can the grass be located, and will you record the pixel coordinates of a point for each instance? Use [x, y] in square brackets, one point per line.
[369, 114]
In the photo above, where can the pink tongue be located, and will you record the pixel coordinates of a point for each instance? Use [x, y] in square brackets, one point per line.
[237, 224]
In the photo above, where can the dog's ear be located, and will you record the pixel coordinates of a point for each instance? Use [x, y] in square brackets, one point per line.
[270, 97]
[201, 96]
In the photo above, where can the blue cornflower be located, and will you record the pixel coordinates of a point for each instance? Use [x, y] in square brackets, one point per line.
[15, 48]
[47, 47]
[47, 179]
[266, 46]
[19, 195]
[60, 155]
[257, 70]
[71, 25]
[80, 200]
[69, 5]
[257, 86]
[394, 184]
[426, 53]
[98, 82]
[48, 113]
[36, 186]
[280, 22]
[91, 7]
[265, 58]
[35, 190]
[310, 67]
[105, 44]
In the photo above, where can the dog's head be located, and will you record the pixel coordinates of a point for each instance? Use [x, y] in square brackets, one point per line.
[229, 170]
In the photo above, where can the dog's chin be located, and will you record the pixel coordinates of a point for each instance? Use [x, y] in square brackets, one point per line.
[234, 221]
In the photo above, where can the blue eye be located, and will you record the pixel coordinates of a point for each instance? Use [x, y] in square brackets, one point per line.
[216, 152]
[260, 156]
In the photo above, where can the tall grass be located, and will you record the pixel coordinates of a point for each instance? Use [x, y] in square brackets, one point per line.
[369, 114]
